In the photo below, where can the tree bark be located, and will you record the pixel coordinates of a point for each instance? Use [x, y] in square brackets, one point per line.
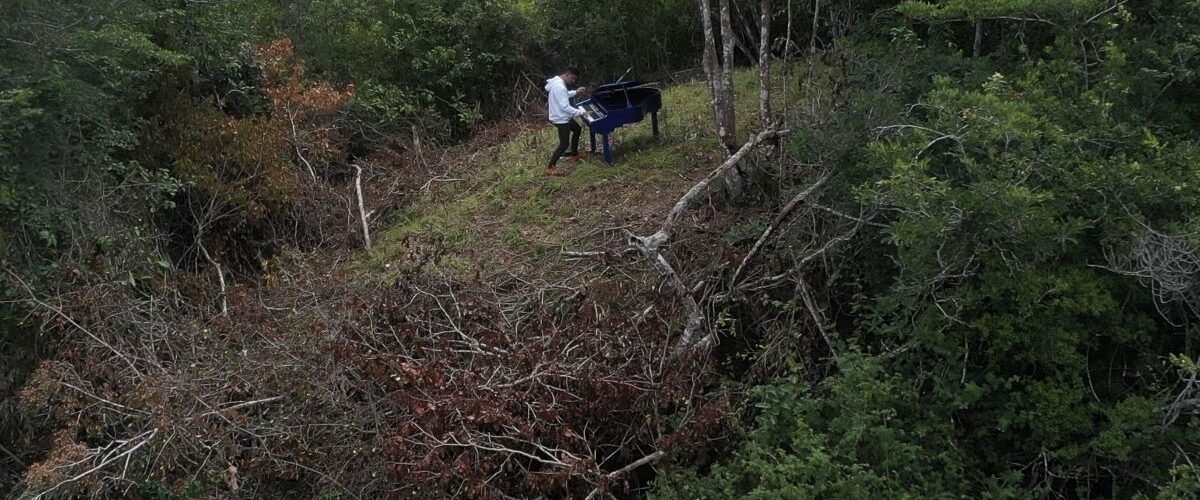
[650, 246]
[220, 277]
[764, 63]
[362, 212]
[787, 38]
[712, 66]
[728, 128]
[718, 71]
[783, 215]
[812, 42]
[978, 37]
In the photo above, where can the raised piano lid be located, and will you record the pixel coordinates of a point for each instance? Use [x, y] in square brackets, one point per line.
[627, 85]
[615, 86]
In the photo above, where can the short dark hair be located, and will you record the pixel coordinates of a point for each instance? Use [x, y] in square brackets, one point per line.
[572, 70]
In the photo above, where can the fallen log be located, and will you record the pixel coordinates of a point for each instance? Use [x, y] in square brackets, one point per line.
[650, 246]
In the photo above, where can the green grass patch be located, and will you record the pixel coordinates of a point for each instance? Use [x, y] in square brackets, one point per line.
[510, 207]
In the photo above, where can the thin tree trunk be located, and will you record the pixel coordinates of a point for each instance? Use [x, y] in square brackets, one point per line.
[651, 246]
[735, 182]
[727, 129]
[978, 37]
[711, 67]
[787, 40]
[764, 63]
[812, 42]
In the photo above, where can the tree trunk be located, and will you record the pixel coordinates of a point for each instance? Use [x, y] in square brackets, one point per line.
[727, 129]
[978, 37]
[787, 37]
[812, 42]
[764, 63]
[711, 67]
[651, 246]
[719, 74]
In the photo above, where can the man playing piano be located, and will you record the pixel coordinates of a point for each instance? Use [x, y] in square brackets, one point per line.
[562, 115]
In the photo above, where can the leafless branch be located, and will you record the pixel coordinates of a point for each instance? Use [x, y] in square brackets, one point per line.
[362, 212]
[58, 312]
[791, 206]
[650, 246]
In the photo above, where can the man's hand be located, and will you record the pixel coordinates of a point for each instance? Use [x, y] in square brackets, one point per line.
[581, 89]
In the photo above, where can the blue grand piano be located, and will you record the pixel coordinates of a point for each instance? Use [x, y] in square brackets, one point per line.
[616, 104]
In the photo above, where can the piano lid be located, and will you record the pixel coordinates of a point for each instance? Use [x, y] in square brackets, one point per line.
[618, 86]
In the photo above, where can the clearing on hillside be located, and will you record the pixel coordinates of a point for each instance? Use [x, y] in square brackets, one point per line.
[493, 205]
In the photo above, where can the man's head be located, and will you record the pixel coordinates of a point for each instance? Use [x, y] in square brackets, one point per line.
[569, 75]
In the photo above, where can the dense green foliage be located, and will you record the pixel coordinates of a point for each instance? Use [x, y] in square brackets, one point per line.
[1012, 316]
[95, 95]
[863, 433]
[1041, 205]
[444, 66]
[147, 136]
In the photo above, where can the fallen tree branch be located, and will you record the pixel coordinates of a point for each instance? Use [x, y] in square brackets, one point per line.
[695, 318]
[581, 255]
[803, 263]
[58, 312]
[649, 245]
[664, 233]
[362, 212]
[843, 215]
[791, 206]
[243, 404]
[220, 277]
[296, 144]
[817, 317]
[653, 457]
[107, 459]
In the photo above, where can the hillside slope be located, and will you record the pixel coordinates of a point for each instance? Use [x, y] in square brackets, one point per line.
[492, 204]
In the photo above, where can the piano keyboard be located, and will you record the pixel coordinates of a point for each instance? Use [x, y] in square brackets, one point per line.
[595, 112]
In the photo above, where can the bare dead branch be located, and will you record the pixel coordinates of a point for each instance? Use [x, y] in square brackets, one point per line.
[238, 406]
[362, 212]
[803, 263]
[817, 317]
[650, 246]
[220, 276]
[665, 233]
[651, 458]
[791, 206]
[106, 459]
[58, 312]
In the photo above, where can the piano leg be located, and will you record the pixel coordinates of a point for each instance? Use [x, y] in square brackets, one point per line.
[593, 142]
[607, 151]
[654, 121]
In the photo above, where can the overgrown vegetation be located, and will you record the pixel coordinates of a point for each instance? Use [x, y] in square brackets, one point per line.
[1018, 324]
[964, 265]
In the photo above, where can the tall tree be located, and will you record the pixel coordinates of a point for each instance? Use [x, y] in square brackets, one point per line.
[727, 129]
[718, 72]
[764, 62]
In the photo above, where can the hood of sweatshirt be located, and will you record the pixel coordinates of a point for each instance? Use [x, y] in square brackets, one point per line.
[551, 81]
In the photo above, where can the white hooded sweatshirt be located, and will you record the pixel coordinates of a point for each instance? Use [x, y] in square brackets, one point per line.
[559, 102]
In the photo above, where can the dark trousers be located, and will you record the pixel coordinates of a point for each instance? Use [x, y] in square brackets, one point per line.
[566, 132]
